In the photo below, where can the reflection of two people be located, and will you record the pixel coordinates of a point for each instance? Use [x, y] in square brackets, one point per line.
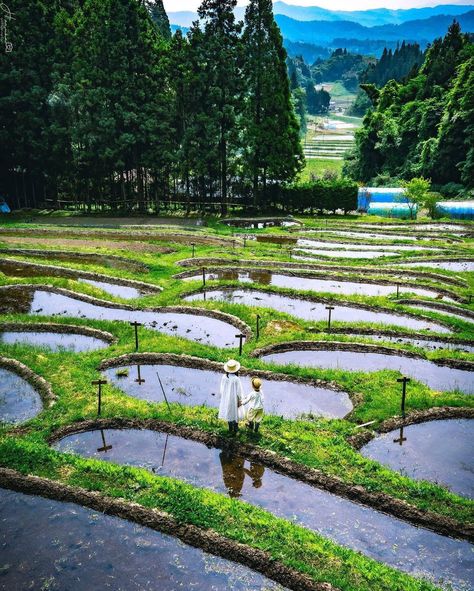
[234, 471]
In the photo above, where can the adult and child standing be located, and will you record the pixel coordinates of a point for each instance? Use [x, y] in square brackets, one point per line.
[234, 405]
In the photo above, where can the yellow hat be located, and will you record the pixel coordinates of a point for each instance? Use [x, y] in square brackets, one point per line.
[256, 383]
[232, 366]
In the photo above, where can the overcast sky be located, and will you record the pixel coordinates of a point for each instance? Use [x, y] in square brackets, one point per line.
[177, 5]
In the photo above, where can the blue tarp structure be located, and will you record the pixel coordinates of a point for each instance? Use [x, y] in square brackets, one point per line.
[392, 210]
[368, 195]
[3, 206]
[457, 210]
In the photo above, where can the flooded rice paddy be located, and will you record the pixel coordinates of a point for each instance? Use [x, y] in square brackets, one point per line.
[192, 387]
[431, 344]
[386, 539]
[420, 227]
[264, 277]
[198, 328]
[311, 244]
[308, 310]
[340, 254]
[47, 544]
[76, 343]
[339, 233]
[435, 376]
[428, 308]
[439, 451]
[459, 266]
[120, 291]
[19, 402]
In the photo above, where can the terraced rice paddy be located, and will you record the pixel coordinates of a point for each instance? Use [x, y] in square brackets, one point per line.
[109, 411]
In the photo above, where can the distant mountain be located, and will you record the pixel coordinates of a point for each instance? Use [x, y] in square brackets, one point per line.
[368, 18]
[321, 33]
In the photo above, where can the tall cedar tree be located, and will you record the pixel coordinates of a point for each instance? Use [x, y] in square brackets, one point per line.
[159, 17]
[120, 102]
[273, 149]
[220, 72]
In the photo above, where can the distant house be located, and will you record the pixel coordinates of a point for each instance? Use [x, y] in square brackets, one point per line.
[4, 206]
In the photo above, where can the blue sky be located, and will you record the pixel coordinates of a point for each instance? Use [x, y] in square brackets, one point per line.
[177, 5]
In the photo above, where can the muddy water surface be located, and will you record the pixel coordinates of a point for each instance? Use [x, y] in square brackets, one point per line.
[310, 284]
[197, 328]
[54, 341]
[414, 550]
[61, 546]
[201, 387]
[440, 451]
[435, 376]
[308, 310]
[19, 402]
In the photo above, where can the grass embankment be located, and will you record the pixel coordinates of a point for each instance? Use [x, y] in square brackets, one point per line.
[318, 443]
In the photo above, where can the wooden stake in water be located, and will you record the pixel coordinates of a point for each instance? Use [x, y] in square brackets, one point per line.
[404, 381]
[401, 439]
[241, 338]
[99, 383]
[258, 326]
[330, 309]
[139, 379]
[398, 290]
[135, 326]
[203, 277]
[105, 448]
[164, 393]
[194, 248]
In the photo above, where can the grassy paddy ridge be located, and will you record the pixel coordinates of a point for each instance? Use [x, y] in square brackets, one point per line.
[314, 442]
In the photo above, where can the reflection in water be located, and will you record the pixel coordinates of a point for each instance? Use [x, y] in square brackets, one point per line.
[384, 538]
[439, 451]
[193, 387]
[19, 402]
[61, 546]
[315, 311]
[437, 377]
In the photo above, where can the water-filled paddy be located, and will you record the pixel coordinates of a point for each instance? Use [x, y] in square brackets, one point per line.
[460, 266]
[121, 291]
[51, 545]
[191, 386]
[453, 228]
[423, 343]
[365, 235]
[384, 538]
[195, 327]
[435, 376]
[428, 308]
[439, 451]
[311, 244]
[340, 254]
[294, 281]
[308, 310]
[19, 401]
[54, 341]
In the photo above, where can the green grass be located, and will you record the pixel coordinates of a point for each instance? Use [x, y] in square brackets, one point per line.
[317, 167]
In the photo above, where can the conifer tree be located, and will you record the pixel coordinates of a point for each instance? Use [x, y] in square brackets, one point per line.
[159, 17]
[270, 129]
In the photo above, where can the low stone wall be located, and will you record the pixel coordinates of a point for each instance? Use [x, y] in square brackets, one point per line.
[206, 540]
[199, 263]
[311, 476]
[38, 383]
[358, 348]
[58, 328]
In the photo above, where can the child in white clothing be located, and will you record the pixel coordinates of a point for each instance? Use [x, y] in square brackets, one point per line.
[254, 402]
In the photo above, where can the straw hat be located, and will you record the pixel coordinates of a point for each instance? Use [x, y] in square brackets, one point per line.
[256, 383]
[232, 366]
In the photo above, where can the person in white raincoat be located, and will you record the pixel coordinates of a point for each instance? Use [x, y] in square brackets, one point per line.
[231, 395]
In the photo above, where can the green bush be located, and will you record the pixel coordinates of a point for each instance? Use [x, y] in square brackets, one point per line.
[323, 195]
